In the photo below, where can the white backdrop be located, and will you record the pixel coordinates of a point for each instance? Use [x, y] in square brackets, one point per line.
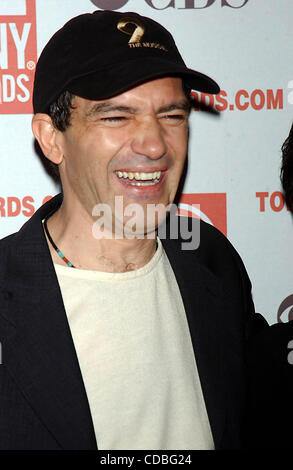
[234, 156]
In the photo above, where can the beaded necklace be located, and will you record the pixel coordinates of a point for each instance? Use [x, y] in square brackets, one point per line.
[55, 246]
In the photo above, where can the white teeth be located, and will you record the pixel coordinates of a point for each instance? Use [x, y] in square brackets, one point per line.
[144, 183]
[139, 176]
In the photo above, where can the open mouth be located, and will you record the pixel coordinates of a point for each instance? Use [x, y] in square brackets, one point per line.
[139, 178]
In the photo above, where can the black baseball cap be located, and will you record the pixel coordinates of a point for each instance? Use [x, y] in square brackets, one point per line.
[101, 54]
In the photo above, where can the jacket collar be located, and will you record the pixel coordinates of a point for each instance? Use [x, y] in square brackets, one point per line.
[39, 351]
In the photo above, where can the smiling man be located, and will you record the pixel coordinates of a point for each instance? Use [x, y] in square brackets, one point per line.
[132, 145]
[118, 342]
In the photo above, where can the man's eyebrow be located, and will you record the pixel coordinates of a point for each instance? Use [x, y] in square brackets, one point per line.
[99, 108]
[182, 105]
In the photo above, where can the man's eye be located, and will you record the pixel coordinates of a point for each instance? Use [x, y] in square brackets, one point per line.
[175, 117]
[113, 119]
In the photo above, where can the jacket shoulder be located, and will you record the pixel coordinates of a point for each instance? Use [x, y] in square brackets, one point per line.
[7, 241]
[5, 245]
[217, 252]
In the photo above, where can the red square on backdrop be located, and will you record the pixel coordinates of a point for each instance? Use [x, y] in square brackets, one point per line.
[18, 60]
[210, 207]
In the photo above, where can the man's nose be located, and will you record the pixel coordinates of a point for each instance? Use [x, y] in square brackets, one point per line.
[149, 139]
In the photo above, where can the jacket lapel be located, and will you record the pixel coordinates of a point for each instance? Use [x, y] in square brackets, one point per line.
[203, 300]
[38, 349]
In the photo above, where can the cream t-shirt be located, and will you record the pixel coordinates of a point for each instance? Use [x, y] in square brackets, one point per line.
[136, 358]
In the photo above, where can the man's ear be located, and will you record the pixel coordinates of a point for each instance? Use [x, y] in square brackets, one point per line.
[46, 134]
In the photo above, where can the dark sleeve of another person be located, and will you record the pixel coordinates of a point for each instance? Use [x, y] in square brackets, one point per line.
[269, 415]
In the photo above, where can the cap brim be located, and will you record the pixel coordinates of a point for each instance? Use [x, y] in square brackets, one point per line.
[102, 84]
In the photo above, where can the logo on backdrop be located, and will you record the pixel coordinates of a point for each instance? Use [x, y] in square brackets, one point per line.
[164, 4]
[18, 56]
[12, 206]
[213, 208]
[241, 100]
[286, 310]
[274, 201]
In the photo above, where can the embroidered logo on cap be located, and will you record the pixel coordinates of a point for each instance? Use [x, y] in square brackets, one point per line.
[126, 26]
[135, 29]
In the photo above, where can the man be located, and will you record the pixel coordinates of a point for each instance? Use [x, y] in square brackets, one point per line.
[118, 342]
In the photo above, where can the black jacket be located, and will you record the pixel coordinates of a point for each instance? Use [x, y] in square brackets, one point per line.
[269, 413]
[43, 403]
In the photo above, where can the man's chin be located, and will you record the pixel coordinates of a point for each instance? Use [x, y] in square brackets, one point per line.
[130, 221]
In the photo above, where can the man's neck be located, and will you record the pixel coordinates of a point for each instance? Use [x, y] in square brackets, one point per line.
[71, 232]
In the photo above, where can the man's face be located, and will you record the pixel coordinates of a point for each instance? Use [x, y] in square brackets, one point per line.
[132, 145]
